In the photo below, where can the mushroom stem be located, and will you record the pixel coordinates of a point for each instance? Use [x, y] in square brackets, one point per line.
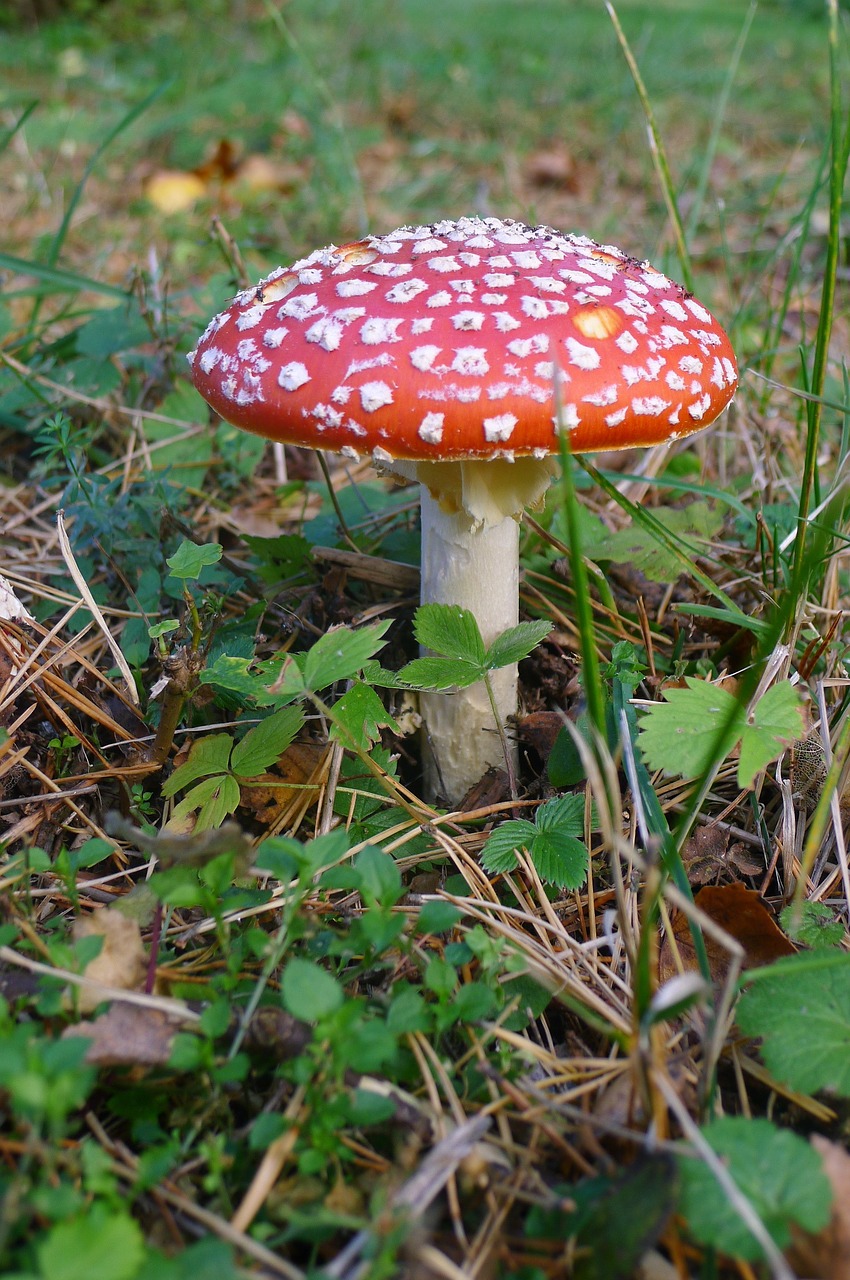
[477, 569]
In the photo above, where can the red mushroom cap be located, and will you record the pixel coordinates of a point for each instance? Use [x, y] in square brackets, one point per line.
[443, 341]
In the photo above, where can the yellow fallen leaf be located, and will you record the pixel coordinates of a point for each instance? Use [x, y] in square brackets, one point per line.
[174, 191]
[121, 962]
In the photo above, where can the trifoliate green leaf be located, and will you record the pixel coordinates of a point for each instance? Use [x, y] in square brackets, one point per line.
[449, 631]
[360, 715]
[560, 858]
[189, 558]
[777, 1171]
[703, 723]
[800, 1009]
[566, 814]
[516, 643]
[813, 924]
[208, 755]
[440, 673]
[638, 546]
[775, 722]
[264, 745]
[499, 852]
[310, 992]
[340, 653]
[213, 799]
[249, 680]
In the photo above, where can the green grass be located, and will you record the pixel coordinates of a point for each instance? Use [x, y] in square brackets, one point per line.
[350, 977]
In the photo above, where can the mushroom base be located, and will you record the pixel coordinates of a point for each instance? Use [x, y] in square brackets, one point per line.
[478, 570]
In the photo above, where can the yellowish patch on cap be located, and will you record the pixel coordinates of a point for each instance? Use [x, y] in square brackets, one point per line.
[357, 253]
[598, 322]
[276, 289]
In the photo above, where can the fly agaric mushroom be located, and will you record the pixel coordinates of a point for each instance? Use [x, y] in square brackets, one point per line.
[434, 350]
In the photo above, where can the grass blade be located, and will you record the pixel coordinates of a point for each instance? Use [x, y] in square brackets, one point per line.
[659, 155]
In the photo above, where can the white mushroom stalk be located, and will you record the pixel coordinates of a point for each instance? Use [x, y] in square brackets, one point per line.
[433, 350]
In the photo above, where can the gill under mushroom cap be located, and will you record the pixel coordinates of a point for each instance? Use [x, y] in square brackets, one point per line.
[442, 342]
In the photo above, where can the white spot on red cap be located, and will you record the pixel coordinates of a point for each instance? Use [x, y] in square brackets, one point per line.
[326, 332]
[292, 376]
[431, 245]
[431, 428]
[643, 373]
[444, 264]
[690, 364]
[534, 308]
[274, 337]
[603, 397]
[422, 324]
[300, 307]
[700, 407]
[674, 380]
[582, 356]
[355, 288]
[674, 309]
[614, 419]
[627, 342]
[441, 299]
[652, 406]
[697, 310]
[391, 269]
[499, 280]
[374, 395]
[731, 375]
[469, 320]
[422, 358]
[527, 259]
[505, 322]
[379, 329]
[471, 361]
[250, 318]
[707, 337]
[673, 337]
[537, 344]
[406, 290]
[209, 359]
[500, 427]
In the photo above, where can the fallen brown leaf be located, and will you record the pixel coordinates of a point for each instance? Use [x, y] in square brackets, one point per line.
[553, 166]
[128, 1035]
[708, 857]
[268, 795]
[742, 914]
[826, 1256]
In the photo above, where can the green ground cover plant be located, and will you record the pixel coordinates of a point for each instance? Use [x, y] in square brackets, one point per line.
[264, 1008]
